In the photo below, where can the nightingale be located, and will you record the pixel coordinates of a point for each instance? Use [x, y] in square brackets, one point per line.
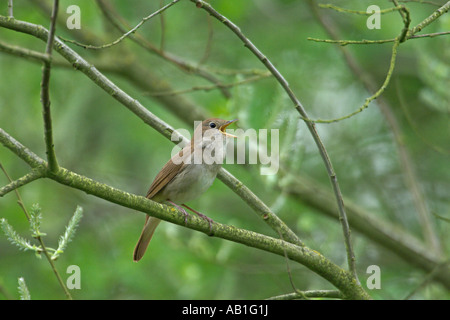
[187, 175]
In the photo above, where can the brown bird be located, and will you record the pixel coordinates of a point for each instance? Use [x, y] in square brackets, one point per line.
[187, 175]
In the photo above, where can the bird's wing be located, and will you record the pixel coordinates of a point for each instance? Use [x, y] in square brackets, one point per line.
[167, 173]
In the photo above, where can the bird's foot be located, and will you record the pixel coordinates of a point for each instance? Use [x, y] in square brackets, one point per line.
[210, 221]
[183, 211]
[201, 215]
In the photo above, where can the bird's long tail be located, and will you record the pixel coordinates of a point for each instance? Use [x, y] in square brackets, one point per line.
[147, 232]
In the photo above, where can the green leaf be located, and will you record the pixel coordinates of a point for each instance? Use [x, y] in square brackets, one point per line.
[69, 233]
[23, 290]
[35, 221]
[16, 239]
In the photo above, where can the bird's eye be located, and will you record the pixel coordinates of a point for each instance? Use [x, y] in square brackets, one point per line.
[212, 125]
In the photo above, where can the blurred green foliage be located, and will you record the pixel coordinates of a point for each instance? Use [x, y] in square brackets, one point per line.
[96, 136]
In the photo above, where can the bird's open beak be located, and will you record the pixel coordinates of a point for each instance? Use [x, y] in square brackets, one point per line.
[223, 128]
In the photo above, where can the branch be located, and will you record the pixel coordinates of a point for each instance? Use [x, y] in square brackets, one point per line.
[209, 88]
[10, 8]
[429, 35]
[23, 52]
[131, 31]
[313, 260]
[311, 126]
[13, 185]
[420, 1]
[436, 14]
[377, 94]
[163, 29]
[365, 41]
[330, 294]
[45, 94]
[404, 12]
[364, 13]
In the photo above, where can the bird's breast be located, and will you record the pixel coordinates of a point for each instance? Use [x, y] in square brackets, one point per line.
[191, 182]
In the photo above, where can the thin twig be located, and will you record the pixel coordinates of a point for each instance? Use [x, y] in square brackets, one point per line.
[429, 35]
[111, 14]
[13, 185]
[436, 14]
[382, 41]
[404, 12]
[288, 269]
[233, 72]
[401, 38]
[420, 2]
[23, 52]
[395, 2]
[311, 126]
[118, 40]
[45, 93]
[344, 10]
[38, 57]
[209, 88]
[10, 8]
[437, 216]
[346, 42]
[163, 28]
[322, 294]
[377, 94]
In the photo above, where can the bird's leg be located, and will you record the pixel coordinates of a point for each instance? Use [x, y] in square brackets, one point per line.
[210, 221]
[186, 215]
